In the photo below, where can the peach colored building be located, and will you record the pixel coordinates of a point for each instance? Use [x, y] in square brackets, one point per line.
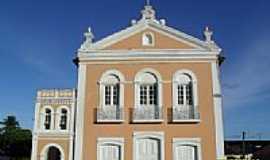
[147, 92]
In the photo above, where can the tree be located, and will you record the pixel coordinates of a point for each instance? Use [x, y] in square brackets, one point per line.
[15, 142]
[9, 123]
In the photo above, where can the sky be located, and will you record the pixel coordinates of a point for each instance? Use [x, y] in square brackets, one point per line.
[39, 39]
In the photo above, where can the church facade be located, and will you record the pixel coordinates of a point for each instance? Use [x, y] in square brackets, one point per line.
[147, 92]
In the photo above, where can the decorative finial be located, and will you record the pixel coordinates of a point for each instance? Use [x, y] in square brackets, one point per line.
[148, 12]
[208, 34]
[133, 22]
[89, 36]
[162, 22]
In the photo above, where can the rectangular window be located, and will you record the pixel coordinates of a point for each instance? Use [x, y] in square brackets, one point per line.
[143, 95]
[116, 94]
[180, 93]
[110, 149]
[184, 94]
[111, 95]
[148, 94]
[187, 149]
[189, 94]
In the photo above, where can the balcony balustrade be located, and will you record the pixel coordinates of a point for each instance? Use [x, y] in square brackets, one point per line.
[110, 114]
[147, 114]
[185, 114]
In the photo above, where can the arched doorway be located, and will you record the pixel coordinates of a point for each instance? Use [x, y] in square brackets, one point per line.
[53, 154]
[52, 151]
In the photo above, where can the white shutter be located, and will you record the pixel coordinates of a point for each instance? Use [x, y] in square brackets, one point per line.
[109, 152]
[147, 149]
[185, 152]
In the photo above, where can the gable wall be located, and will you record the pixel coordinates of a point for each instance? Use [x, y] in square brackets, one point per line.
[161, 42]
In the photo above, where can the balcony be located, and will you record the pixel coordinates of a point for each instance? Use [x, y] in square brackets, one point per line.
[147, 114]
[110, 114]
[185, 114]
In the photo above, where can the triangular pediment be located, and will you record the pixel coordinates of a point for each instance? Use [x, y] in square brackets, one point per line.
[160, 41]
[164, 37]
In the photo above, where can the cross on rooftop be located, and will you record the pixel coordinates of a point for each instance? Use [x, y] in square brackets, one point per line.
[148, 2]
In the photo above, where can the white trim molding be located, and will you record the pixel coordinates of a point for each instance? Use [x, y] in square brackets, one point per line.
[44, 152]
[217, 98]
[119, 142]
[130, 55]
[35, 133]
[72, 125]
[80, 112]
[150, 135]
[195, 142]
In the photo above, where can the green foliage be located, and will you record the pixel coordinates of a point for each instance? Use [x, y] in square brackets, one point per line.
[15, 142]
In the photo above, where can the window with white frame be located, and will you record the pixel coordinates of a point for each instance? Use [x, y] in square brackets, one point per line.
[184, 88]
[111, 91]
[63, 119]
[185, 96]
[48, 119]
[148, 99]
[148, 94]
[184, 91]
[147, 86]
[110, 149]
[186, 149]
[148, 146]
[148, 39]
[111, 94]
[111, 88]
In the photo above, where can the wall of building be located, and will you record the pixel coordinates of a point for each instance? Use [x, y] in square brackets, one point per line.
[204, 130]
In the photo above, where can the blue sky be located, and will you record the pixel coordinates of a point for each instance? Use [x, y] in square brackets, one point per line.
[39, 39]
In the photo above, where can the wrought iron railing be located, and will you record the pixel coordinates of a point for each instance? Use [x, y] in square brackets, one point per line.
[110, 114]
[147, 113]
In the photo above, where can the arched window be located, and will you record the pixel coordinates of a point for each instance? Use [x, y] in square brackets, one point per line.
[48, 119]
[148, 96]
[63, 119]
[185, 100]
[111, 96]
[148, 90]
[111, 89]
[148, 39]
[184, 90]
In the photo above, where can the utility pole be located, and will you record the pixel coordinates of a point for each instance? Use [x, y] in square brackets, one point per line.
[243, 144]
